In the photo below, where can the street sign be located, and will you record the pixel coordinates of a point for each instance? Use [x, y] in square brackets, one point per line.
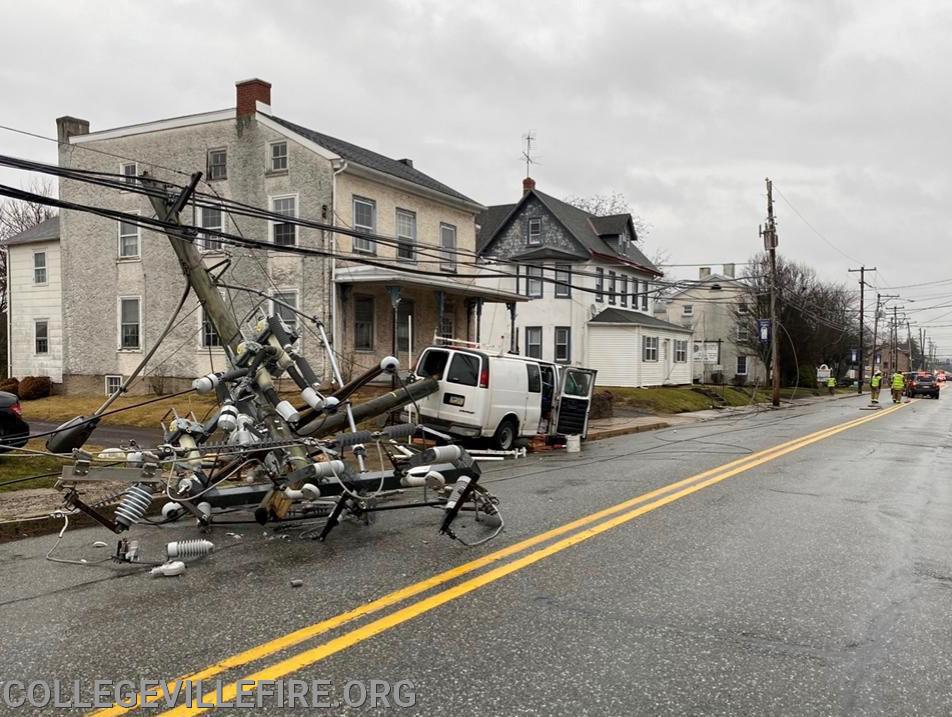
[823, 372]
[763, 330]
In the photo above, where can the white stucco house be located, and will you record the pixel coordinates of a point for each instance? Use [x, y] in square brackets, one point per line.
[35, 302]
[590, 291]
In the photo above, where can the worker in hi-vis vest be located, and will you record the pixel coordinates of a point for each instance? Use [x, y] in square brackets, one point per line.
[875, 384]
[831, 384]
[897, 384]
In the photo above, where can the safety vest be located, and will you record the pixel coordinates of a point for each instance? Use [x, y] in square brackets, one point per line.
[831, 382]
[875, 381]
[898, 381]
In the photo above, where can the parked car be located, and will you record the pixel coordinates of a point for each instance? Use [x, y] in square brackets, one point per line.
[503, 396]
[14, 431]
[924, 384]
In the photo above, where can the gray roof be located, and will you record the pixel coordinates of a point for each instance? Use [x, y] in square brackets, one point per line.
[620, 316]
[373, 160]
[47, 230]
[587, 229]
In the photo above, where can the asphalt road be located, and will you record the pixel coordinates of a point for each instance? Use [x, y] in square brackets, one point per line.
[815, 578]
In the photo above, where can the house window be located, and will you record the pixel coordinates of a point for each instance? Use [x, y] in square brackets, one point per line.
[279, 156]
[130, 320]
[741, 365]
[534, 231]
[563, 281]
[611, 288]
[128, 240]
[210, 337]
[130, 172]
[534, 282]
[404, 324]
[634, 293]
[210, 218]
[743, 331]
[644, 296]
[284, 233]
[680, 351]
[39, 267]
[687, 310]
[365, 220]
[284, 305]
[599, 285]
[218, 164]
[563, 344]
[41, 336]
[406, 235]
[113, 384]
[448, 322]
[742, 308]
[364, 323]
[448, 242]
[623, 294]
[534, 341]
[649, 348]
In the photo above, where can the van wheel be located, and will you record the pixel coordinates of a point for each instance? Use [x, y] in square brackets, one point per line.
[505, 435]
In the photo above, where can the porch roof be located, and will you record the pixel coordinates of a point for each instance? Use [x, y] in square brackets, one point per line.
[450, 284]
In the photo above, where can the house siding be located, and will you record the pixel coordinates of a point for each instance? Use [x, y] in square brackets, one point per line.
[29, 302]
[616, 351]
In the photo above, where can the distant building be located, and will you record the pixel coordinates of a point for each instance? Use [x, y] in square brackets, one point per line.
[714, 309]
[590, 291]
[35, 302]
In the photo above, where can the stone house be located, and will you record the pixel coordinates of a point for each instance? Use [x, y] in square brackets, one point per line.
[34, 302]
[123, 281]
[714, 309]
[590, 292]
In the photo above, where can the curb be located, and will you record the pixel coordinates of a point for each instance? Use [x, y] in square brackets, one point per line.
[612, 432]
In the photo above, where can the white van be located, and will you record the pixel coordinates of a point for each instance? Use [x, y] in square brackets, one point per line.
[503, 396]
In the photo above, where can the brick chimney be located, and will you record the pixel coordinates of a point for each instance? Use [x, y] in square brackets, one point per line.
[704, 272]
[250, 92]
[67, 127]
[528, 184]
[729, 270]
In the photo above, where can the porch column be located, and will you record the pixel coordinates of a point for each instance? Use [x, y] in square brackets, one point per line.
[394, 293]
[513, 337]
[479, 317]
[440, 305]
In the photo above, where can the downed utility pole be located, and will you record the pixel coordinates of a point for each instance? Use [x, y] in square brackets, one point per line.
[769, 234]
[862, 300]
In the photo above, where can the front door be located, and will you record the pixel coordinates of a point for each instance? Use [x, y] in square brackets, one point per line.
[573, 402]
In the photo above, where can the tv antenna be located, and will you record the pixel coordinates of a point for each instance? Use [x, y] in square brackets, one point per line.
[528, 138]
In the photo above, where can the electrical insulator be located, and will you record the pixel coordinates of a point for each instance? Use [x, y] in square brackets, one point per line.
[134, 504]
[189, 549]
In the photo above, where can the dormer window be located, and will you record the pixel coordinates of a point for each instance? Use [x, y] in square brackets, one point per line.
[534, 231]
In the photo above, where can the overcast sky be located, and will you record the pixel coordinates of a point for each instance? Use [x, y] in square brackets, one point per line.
[684, 107]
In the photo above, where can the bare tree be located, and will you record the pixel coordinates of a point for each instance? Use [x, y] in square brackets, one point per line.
[606, 205]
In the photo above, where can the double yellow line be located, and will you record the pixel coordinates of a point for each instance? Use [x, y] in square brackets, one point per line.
[622, 513]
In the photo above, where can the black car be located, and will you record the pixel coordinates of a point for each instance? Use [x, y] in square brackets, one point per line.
[14, 431]
[924, 385]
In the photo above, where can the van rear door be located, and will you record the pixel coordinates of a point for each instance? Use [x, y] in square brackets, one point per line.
[432, 364]
[462, 401]
[574, 401]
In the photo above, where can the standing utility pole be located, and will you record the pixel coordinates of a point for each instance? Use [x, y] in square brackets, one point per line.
[862, 301]
[769, 233]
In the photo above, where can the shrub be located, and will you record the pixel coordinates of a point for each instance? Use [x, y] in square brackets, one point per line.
[10, 385]
[739, 380]
[602, 405]
[807, 375]
[33, 387]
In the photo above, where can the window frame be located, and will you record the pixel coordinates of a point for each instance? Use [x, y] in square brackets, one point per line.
[564, 290]
[209, 164]
[371, 247]
[529, 235]
[567, 343]
[599, 285]
[743, 332]
[210, 245]
[623, 290]
[45, 268]
[280, 294]
[533, 279]
[204, 324]
[120, 236]
[746, 371]
[644, 296]
[612, 288]
[372, 322]
[404, 240]
[36, 337]
[106, 378]
[743, 308]
[448, 262]
[272, 224]
[527, 330]
[687, 309]
[650, 344]
[129, 180]
[119, 324]
[680, 349]
[271, 156]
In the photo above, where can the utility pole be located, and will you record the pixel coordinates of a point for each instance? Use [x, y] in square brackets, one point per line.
[862, 301]
[909, 342]
[872, 361]
[769, 234]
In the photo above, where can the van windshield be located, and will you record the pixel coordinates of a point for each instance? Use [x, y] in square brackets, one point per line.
[464, 370]
[433, 363]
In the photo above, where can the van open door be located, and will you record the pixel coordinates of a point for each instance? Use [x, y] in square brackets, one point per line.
[573, 402]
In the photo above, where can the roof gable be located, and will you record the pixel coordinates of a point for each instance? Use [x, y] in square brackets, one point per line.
[47, 230]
